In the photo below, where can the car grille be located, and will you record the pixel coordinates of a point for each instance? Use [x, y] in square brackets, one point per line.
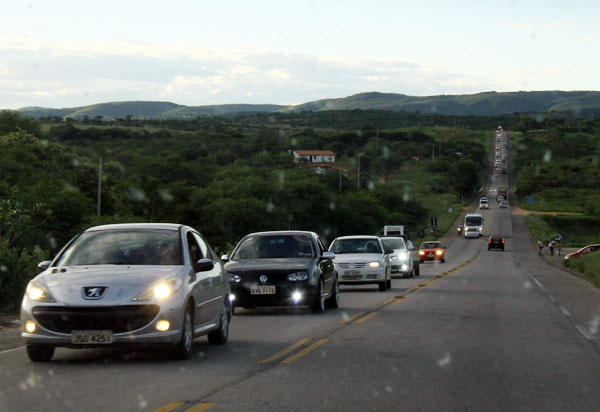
[351, 277]
[352, 265]
[116, 318]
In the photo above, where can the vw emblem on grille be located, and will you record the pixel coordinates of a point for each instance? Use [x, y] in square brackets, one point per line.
[263, 278]
[93, 292]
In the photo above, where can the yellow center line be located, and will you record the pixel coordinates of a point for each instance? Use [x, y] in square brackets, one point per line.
[390, 300]
[169, 407]
[285, 351]
[365, 318]
[398, 300]
[201, 407]
[351, 318]
[305, 351]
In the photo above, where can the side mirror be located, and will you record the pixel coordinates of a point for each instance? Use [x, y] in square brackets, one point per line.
[328, 255]
[44, 265]
[225, 258]
[204, 265]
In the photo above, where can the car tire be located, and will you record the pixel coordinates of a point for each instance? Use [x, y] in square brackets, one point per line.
[388, 283]
[383, 286]
[417, 271]
[333, 302]
[182, 350]
[406, 275]
[219, 336]
[443, 260]
[318, 304]
[40, 353]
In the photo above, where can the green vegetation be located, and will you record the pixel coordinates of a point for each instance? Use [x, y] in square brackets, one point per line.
[553, 103]
[576, 231]
[225, 176]
[589, 265]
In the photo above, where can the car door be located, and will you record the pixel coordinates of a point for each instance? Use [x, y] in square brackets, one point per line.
[326, 267]
[212, 281]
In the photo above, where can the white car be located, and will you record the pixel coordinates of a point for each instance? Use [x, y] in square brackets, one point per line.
[484, 205]
[402, 261]
[362, 260]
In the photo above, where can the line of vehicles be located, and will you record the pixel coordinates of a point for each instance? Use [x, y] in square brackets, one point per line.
[159, 284]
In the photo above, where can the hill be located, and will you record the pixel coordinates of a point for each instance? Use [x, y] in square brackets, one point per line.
[483, 104]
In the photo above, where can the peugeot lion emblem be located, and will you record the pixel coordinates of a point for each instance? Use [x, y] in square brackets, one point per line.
[263, 278]
[94, 292]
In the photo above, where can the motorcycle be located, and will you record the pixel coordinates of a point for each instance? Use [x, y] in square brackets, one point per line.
[459, 230]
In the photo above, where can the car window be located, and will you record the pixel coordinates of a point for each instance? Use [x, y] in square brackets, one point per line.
[393, 243]
[430, 245]
[274, 246]
[124, 247]
[194, 250]
[204, 250]
[342, 246]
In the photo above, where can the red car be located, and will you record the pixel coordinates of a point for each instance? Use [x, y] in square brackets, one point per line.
[432, 251]
[583, 251]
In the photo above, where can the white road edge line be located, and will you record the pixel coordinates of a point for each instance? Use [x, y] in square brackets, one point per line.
[565, 311]
[584, 332]
[552, 298]
[12, 350]
[539, 284]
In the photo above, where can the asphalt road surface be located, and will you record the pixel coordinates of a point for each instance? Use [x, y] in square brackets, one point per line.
[487, 330]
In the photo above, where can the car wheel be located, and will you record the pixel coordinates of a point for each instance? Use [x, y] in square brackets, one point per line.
[383, 286]
[318, 305]
[219, 336]
[40, 353]
[388, 284]
[417, 271]
[183, 349]
[443, 260]
[333, 302]
[406, 275]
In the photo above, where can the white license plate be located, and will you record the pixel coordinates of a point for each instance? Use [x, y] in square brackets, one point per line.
[352, 272]
[262, 290]
[91, 337]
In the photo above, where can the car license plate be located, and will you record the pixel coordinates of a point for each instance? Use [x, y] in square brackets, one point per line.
[91, 337]
[352, 272]
[262, 290]
[430, 254]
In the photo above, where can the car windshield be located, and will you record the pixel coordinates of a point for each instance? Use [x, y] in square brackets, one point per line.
[342, 246]
[473, 221]
[393, 243]
[274, 246]
[124, 247]
[431, 245]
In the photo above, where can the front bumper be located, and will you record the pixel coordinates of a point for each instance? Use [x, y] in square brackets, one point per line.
[283, 295]
[361, 276]
[133, 326]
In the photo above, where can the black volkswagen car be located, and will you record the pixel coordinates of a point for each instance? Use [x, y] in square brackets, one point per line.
[496, 242]
[285, 268]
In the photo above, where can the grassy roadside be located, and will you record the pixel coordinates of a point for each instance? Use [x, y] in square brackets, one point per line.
[589, 265]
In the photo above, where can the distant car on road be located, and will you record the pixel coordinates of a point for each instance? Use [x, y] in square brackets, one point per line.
[282, 268]
[583, 251]
[503, 205]
[432, 251]
[128, 285]
[402, 261]
[496, 242]
[484, 205]
[362, 260]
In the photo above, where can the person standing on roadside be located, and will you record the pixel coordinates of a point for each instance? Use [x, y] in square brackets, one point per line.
[551, 247]
[540, 247]
[558, 248]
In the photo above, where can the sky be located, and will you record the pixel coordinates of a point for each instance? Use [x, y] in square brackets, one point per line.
[75, 53]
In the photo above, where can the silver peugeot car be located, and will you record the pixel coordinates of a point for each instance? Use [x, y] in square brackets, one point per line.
[126, 285]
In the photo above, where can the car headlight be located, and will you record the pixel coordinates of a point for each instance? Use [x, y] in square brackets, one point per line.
[403, 256]
[439, 252]
[298, 276]
[421, 252]
[160, 290]
[374, 264]
[235, 278]
[39, 293]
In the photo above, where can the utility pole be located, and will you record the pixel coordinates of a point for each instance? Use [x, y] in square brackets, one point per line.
[99, 186]
[358, 181]
[340, 180]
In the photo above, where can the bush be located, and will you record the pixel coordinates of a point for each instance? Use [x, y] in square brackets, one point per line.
[589, 265]
[17, 268]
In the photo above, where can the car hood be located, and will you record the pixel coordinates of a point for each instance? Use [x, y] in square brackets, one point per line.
[123, 282]
[357, 257]
[292, 264]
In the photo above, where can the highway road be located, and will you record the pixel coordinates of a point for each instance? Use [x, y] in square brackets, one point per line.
[487, 330]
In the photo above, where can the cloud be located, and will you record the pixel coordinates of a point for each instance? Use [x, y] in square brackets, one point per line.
[37, 72]
[537, 26]
[593, 37]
